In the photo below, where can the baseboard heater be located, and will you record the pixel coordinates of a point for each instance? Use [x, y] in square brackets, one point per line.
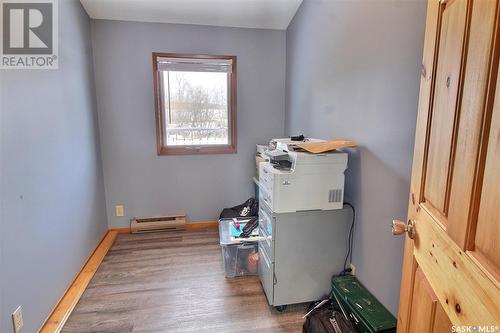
[159, 223]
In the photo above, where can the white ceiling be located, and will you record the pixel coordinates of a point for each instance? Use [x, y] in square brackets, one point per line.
[264, 14]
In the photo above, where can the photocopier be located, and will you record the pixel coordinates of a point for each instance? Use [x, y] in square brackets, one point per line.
[295, 180]
[303, 224]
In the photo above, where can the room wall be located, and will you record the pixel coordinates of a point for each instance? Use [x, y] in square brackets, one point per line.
[199, 186]
[51, 188]
[353, 72]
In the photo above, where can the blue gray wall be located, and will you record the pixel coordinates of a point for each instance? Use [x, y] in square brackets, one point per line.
[51, 187]
[353, 72]
[199, 186]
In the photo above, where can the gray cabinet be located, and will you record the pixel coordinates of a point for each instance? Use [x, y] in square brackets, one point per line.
[300, 252]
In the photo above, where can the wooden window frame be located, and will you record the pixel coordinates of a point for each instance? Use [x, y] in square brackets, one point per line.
[162, 147]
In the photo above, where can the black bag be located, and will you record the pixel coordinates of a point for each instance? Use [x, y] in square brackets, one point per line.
[247, 209]
[325, 319]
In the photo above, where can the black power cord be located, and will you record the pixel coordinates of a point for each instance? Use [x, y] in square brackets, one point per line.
[350, 241]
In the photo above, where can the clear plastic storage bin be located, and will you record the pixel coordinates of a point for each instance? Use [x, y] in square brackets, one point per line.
[240, 255]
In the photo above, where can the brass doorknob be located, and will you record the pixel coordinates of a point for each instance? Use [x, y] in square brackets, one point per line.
[399, 227]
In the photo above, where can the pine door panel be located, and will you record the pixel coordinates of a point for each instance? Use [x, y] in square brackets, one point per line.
[441, 321]
[487, 241]
[451, 265]
[475, 96]
[451, 40]
[427, 314]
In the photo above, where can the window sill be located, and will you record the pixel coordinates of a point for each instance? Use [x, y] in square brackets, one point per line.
[204, 150]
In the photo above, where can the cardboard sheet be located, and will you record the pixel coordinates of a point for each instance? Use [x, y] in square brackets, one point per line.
[323, 147]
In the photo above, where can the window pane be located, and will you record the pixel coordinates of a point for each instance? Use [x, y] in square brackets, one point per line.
[197, 111]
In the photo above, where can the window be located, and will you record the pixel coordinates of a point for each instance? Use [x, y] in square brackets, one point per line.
[195, 97]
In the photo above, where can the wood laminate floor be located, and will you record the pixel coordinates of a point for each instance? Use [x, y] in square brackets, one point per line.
[174, 282]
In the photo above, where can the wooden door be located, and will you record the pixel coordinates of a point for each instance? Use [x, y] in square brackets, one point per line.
[451, 266]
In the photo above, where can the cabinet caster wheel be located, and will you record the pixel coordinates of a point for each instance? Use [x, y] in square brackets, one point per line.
[280, 308]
